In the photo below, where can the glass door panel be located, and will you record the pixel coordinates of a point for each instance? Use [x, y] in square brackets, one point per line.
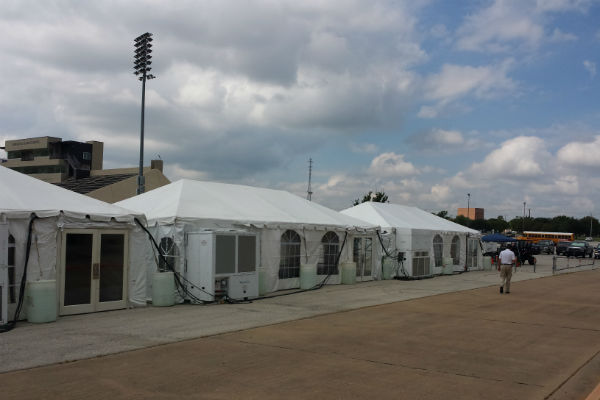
[357, 255]
[368, 258]
[78, 269]
[112, 263]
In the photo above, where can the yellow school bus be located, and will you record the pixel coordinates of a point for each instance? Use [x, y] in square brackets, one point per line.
[554, 236]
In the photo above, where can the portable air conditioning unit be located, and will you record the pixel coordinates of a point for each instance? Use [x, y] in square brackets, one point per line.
[221, 262]
[421, 264]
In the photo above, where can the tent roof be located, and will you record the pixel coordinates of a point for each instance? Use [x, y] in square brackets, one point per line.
[398, 216]
[497, 237]
[210, 201]
[22, 195]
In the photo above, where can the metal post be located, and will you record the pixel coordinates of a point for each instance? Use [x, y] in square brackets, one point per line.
[142, 62]
[553, 265]
[141, 181]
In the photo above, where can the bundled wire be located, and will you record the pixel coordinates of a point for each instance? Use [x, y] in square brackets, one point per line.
[11, 324]
[180, 280]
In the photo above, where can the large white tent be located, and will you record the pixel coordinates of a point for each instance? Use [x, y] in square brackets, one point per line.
[427, 241]
[94, 251]
[289, 230]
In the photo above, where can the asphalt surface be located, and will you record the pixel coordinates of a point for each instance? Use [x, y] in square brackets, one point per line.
[541, 341]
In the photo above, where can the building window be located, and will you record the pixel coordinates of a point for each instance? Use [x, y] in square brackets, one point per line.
[289, 258]
[86, 155]
[455, 250]
[438, 250]
[12, 285]
[329, 254]
[169, 249]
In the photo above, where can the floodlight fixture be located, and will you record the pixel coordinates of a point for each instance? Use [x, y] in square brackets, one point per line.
[141, 66]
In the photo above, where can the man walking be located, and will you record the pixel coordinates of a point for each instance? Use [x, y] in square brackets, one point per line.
[507, 259]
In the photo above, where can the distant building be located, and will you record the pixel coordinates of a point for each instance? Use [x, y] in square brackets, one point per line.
[471, 213]
[52, 160]
[77, 166]
[112, 185]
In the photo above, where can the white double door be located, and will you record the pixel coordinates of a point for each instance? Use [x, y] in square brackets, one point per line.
[94, 266]
[363, 257]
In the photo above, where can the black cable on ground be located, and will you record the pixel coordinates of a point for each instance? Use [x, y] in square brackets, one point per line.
[11, 324]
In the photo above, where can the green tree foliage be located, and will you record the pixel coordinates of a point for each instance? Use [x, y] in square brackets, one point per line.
[443, 214]
[562, 223]
[378, 197]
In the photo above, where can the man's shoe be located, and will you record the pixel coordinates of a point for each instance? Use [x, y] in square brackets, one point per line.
[501, 290]
[507, 292]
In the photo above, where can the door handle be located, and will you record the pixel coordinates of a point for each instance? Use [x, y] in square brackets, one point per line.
[96, 271]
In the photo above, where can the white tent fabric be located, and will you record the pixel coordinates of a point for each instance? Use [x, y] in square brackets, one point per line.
[58, 209]
[398, 216]
[212, 201]
[413, 231]
[21, 195]
[188, 205]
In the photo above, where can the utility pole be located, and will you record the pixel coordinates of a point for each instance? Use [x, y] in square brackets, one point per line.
[309, 190]
[523, 229]
[143, 57]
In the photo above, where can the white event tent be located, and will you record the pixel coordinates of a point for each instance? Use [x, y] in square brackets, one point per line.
[427, 241]
[93, 251]
[285, 229]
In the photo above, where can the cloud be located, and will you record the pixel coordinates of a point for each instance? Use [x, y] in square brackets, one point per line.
[442, 140]
[520, 157]
[581, 154]
[391, 164]
[506, 25]
[454, 82]
[590, 67]
[559, 36]
[368, 148]
[494, 28]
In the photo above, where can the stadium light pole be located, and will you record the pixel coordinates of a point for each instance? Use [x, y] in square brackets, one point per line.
[468, 205]
[141, 66]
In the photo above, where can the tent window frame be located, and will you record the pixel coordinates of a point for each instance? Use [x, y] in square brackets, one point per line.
[455, 250]
[289, 256]
[169, 249]
[438, 250]
[330, 244]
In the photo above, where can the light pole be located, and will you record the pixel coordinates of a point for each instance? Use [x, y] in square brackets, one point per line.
[468, 205]
[141, 66]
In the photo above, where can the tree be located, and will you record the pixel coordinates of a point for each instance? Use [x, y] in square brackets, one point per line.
[378, 197]
[442, 214]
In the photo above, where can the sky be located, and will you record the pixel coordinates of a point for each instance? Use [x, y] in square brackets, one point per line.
[429, 101]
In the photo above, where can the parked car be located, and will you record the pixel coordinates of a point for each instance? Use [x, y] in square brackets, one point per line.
[562, 246]
[545, 246]
[580, 249]
[589, 239]
[597, 251]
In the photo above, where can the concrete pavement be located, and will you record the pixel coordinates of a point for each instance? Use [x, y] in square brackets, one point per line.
[539, 341]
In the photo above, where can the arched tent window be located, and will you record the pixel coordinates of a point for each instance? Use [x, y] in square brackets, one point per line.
[169, 249]
[289, 257]
[438, 250]
[455, 250]
[330, 244]
[12, 273]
